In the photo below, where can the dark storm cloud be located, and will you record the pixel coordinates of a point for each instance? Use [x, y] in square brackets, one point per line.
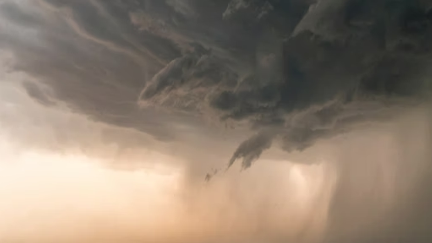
[306, 69]
[347, 64]
[85, 66]
[186, 81]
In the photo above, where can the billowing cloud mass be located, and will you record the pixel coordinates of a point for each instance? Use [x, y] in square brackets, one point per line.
[345, 81]
[310, 69]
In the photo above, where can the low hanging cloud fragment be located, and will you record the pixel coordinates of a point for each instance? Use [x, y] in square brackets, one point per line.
[252, 149]
[38, 94]
[210, 175]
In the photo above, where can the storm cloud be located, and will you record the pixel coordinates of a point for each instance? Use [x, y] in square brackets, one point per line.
[217, 81]
[308, 69]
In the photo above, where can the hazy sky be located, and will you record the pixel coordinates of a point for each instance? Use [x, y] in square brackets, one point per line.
[202, 121]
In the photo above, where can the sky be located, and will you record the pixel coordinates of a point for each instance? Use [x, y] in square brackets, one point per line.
[303, 121]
